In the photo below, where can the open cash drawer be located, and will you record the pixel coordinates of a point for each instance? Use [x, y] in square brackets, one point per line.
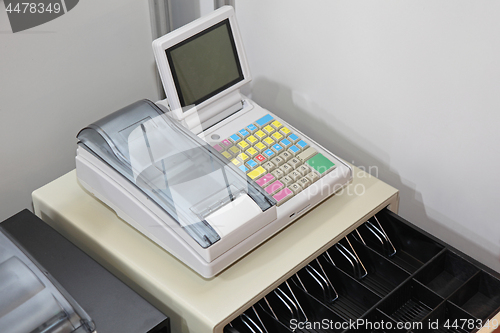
[389, 271]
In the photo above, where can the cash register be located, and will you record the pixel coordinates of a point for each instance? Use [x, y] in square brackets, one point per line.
[207, 174]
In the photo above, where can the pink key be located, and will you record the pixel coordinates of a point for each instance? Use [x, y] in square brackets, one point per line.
[265, 180]
[282, 195]
[218, 148]
[226, 143]
[274, 187]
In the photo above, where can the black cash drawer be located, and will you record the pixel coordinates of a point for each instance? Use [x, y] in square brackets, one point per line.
[386, 271]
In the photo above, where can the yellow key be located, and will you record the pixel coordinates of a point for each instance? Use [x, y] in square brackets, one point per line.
[260, 135]
[252, 151]
[226, 155]
[260, 146]
[243, 145]
[234, 150]
[276, 136]
[268, 130]
[257, 173]
[285, 131]
[268, 141]
[252, 140]
[243, 157]
[276, 124]
[236, 162]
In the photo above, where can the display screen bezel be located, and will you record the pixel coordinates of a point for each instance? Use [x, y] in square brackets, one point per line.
[240, 77]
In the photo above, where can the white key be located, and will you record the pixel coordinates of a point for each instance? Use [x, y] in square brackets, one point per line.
[312, 176]
[296, 188]
[295, 175]
[269, 166]
[306, 154]
[277, 173]
[304, 182]
[287, 180]
[295, 163]
[303, 169]
[278, 161]
[286, 156]
[286, 168]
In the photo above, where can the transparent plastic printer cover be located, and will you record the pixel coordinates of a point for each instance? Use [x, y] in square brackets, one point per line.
[180, 172]
[31, 301]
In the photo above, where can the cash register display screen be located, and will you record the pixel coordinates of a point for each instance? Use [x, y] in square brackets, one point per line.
[205, 64]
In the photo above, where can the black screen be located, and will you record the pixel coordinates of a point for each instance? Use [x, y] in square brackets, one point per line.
[205, 64]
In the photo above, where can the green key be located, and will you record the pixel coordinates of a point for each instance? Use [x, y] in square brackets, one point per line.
[321, 164]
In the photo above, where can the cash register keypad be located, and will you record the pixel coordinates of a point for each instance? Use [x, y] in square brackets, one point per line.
[274, 157]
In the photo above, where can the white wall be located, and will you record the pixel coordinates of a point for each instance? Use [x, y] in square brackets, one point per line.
[61, 76]
[185, 11]
[410, 87]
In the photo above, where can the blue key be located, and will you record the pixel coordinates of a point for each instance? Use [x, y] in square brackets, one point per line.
[293, 137]
[285, 143]
[264, 120]
[235, 138]
[277, 148]
[302, 144]
[269, 153]
[294, 150]
[252, 164]
[244, 133]
[243, 168]
[252, 128]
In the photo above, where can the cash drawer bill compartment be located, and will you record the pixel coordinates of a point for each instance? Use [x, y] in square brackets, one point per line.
[387, 270]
